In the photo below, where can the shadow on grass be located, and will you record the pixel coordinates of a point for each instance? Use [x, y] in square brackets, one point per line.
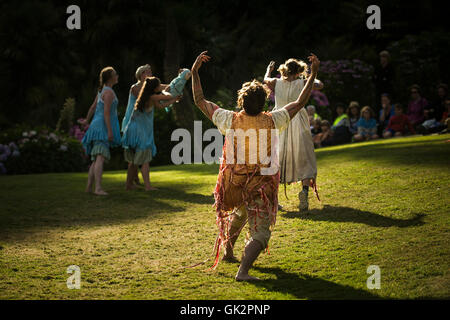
[307, 287]
[88, 209]
[345, 214]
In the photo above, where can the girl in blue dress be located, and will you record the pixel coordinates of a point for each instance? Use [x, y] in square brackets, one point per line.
[104, 130]
[138, 140]
[142, 72]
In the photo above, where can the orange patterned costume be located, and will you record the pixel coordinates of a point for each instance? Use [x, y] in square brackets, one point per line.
[243, 187]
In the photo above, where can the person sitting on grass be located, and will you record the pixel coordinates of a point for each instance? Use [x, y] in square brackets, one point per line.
[416, 106]
[386, 112]
[341, 126]
[312, 115]
[316, 129]
[398, 124]
[367, 125]
[325, 138]
[353, 115]
[445, 121]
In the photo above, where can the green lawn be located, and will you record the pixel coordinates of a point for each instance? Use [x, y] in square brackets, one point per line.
[384, 203]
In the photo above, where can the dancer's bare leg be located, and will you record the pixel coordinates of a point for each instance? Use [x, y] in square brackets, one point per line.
[251, 252]
[131, 174]
[136, 176]
[145, 170]
[98, 172]
[236, 226]
[90, 181]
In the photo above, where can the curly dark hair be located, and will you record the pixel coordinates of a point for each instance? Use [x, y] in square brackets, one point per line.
[252, 97]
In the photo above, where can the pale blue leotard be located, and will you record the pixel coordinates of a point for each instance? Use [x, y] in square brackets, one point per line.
[98, 132]
[131, 101]
[138, 134]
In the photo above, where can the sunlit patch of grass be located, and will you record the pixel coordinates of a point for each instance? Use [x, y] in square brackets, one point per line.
[384, 203]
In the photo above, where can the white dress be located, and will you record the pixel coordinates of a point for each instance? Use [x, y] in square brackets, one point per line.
[297, 157]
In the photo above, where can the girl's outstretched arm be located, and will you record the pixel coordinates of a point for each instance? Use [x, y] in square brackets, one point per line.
[207, 107]
[270, 82]
[158, 104]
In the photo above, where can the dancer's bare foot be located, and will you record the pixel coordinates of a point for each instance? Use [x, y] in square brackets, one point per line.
[89, 189]
[130, 187]
[150, 188]
[245, 277]
[101, 192]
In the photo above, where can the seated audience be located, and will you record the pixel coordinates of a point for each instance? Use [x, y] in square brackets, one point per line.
[315, 128]
[341, 126]
[325, 138]
[367, 125]
[386, 112]
[416, 106]
[353, 115]
[398, 124]
[312, 114]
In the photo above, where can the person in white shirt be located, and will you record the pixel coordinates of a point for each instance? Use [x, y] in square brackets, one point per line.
[246, 191]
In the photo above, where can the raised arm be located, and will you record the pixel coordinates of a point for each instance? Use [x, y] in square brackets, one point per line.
[303, 98]
[167, 101]
[207, 107]
[270, 82]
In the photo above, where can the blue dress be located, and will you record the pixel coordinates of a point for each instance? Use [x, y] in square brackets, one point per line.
[131, 101]
[95, 140]
[138, 138]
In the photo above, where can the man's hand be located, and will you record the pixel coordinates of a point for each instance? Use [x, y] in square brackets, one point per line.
[200, 59]
[206, 106]
[271, 66]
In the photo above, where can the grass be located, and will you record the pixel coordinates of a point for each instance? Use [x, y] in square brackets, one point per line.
[384, 203]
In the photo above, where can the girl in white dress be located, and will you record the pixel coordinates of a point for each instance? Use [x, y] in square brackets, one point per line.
[297, 157]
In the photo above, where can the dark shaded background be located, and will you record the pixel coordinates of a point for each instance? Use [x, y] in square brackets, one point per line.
[43, 63]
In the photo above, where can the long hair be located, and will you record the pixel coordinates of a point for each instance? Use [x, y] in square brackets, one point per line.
[252, 97]
[148, 89]
[367, 108]
[105, 75]
[353, 104]
[292, 67]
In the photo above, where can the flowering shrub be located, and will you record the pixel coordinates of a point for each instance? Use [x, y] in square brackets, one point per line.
[345, 81]
[38, 151]
[77, 131]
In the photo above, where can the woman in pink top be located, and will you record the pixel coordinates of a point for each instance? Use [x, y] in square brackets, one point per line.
[416, 106]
